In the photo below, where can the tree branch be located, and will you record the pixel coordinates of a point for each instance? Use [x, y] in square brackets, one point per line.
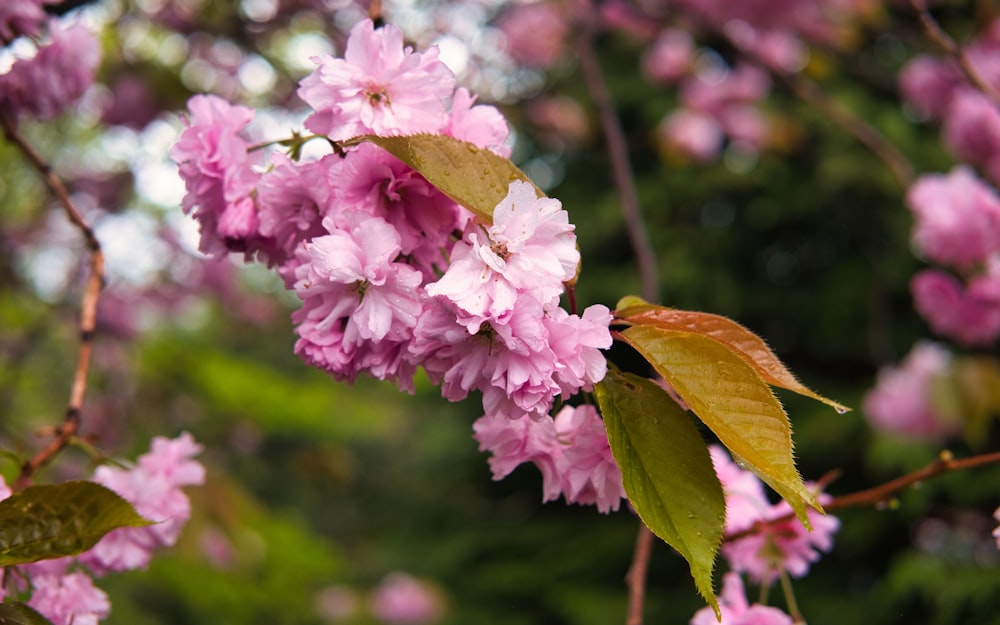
[944, 463]
[944, 41]
[620, 166]
[65, 432]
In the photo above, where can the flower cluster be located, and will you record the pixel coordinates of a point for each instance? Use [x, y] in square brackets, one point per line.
[958, 215]
[45, 85]
[778, 541]
[394, 275]
[63, 590]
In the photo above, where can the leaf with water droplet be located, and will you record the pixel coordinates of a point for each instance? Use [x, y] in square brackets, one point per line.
[666, 470]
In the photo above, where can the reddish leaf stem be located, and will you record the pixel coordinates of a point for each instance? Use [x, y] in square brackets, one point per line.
[65, 432]
[636, 576]
[944, 41]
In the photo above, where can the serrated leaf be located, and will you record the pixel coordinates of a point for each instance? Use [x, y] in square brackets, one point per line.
[19, 613]
[742, 341]
[474, 177]
[56, 520]
[666, 470]
[730, 397]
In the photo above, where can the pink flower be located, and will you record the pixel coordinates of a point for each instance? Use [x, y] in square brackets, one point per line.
[996, 532]
[972, 127]
[670, 56]
[47, 84]
[212, 159]
[371, 181]
[154, 489]
[957, 218]
[966, 316]
[736, 610]
[696, 134]
[927, 85]
[359, 304]
[571, 451]
[589, 474]
[293, 199]
[21, 17]
[535, 33]
[377, 88]
[69, 599]
[402, 599]
[901, 403]
[778, 540]
[479, 124]
[530, 247]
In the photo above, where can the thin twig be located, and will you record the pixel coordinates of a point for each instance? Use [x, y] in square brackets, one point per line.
[620, 166]
[944, 41]
[636, 576]
[68, 429]
[944, 463]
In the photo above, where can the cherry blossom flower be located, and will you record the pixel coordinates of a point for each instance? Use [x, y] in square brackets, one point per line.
[294, 198]
[529, 247]
[957, 218]
[534, 34]
[901, 403]
[996, 532]
[372, 181]
[153, 487]
[212, 158]
[966, 315]
[778, 540]
[479, 124]
[379, 87]
[402, 599]
[736, 610]
[70, 599]
[571, 450]
[670, 56]
[45, 85]
[358, 302]
[21, 17]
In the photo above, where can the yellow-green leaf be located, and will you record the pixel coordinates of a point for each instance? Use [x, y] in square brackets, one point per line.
[474, 177]
[666, 470]
[56, 520]
[730, 397]
[739, 339]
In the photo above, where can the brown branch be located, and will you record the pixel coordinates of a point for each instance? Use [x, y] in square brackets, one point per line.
[65, 432]
[944, 41]
[944, 463]
[865, 134]
[620, 166]
[636, 576]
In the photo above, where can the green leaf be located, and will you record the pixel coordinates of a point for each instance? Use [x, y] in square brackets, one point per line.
[730, 397]
[739, 339]
[666, 470]
[52, 521]
[18, 613]
[474, 177]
